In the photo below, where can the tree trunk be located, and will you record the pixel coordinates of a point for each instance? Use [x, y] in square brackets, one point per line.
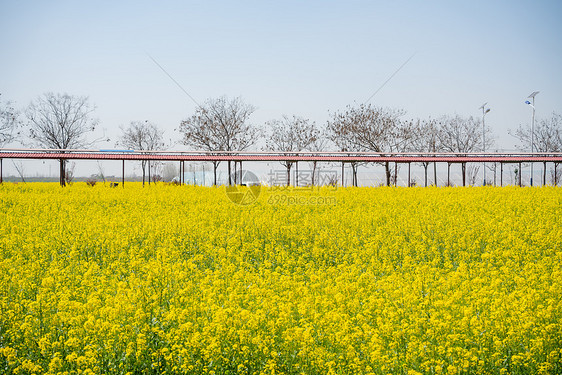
[180, 173]
[215, 166]
[388, 173]
[237, 173]
[62, 173]
[313, 172]
[64, 177]
[425, 166]
[229, 176]
[289, 174]
[501, 174]
[409, 169]
[435, 173]
[354, 171]
[463, 168]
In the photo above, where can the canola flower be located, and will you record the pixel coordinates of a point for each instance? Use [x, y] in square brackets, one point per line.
[179, 280]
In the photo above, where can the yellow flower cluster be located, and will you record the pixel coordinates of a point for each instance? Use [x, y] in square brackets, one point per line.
[170, 279]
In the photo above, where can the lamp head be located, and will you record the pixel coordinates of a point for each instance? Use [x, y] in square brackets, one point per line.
[533, 94]
[529, 103]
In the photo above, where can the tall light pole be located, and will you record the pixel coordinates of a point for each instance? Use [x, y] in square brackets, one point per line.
[484, 111]
[533, 94]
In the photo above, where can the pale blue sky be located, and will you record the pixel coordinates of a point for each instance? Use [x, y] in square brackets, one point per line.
[286, 57]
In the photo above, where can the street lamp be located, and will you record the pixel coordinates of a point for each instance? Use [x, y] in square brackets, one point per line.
[533, 94]
[484, 111]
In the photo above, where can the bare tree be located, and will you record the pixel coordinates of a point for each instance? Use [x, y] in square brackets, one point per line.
[341, 130]
[69, 172]
[370, 128]
[101, 172]
[291, 134]
[318, 145]
[20, 169]
[60, 121]
[493, 167]
[145, 136]
[426, 139]
[547, 137]
[201, 132]
[459, 135]
[472, 173]
[8, 123]
[221, 125]
[555, 175]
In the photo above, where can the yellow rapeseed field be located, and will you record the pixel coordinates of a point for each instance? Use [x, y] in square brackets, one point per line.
[178, 279]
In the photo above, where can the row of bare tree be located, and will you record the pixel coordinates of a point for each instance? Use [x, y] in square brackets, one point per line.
[221, 125]
[62, 121]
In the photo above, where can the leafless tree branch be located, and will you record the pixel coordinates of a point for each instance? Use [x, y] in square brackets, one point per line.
[370, 128]
[291, 134]
[547, 135]
[142, 135]
[8, 123]
[220, 125]
[60, 121]
[461, 135]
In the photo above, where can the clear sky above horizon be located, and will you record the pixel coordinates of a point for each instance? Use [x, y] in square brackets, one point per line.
[292, 57]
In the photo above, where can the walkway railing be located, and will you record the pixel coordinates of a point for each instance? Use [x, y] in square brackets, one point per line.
[246, 156]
